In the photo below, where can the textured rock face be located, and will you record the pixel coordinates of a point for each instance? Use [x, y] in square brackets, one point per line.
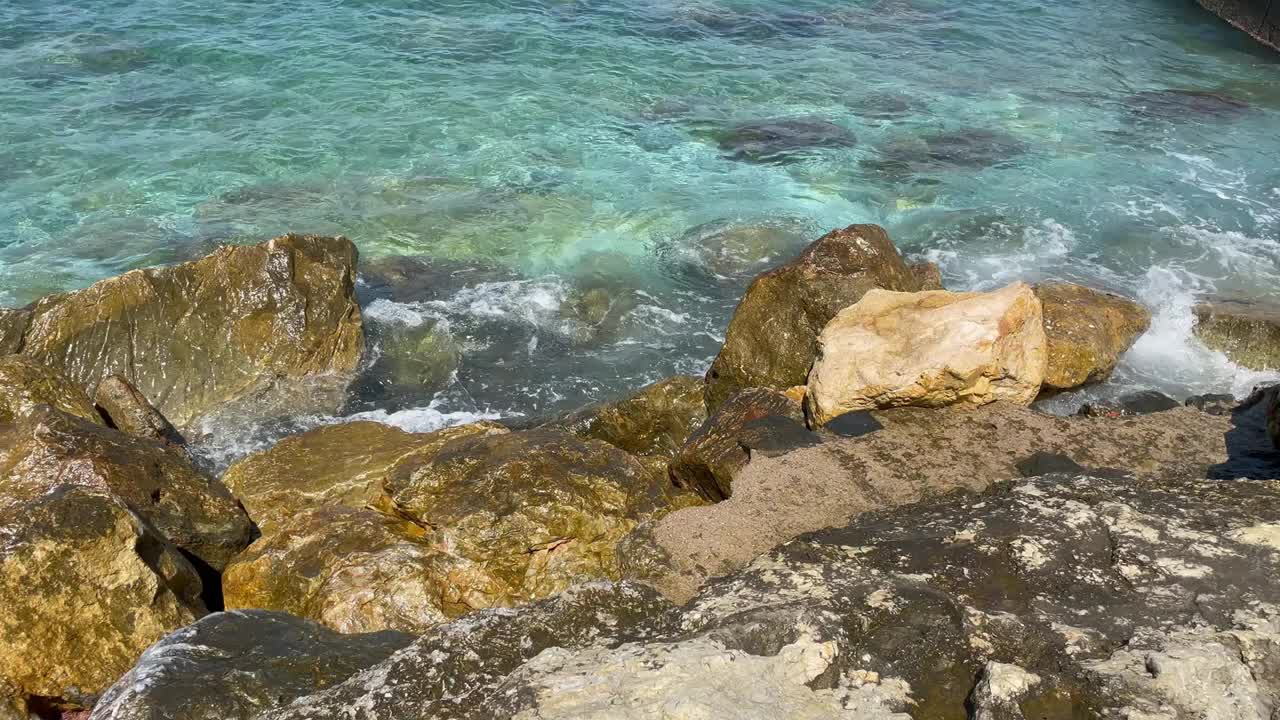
[356, 570]
[1259, 18]
[25, 384]
[1087, 332]
[928, 274]
[535, 511]
[929, 349]
[199, 334]
[13, 325]
[48, 448]
[237, 664]
[86, 586]
[773, 336]
[655, 421]
[1248, 334]
[918, 454]
[1065, 596]
[714, 455]
[334, 465]
[127, 410]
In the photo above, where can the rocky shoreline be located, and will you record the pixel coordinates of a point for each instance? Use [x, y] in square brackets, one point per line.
[856, 513]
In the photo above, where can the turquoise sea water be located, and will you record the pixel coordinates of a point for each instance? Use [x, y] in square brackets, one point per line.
[534, 143]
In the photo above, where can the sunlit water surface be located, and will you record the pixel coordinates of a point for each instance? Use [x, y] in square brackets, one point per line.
[531, 153]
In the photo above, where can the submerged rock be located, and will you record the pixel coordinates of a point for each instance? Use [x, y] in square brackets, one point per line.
[193, 336]
[946, 151]
[24, 384]
[1087, 332]
[126, 409]
[1178, 105]
[1247, 333]
[654, 421]
[714, 453]
[773, 336]
[734, 249]
[782, 140]
[413, 361]
[929, 349]
[86, 586]
[919, 453]
[235, 665]
[48, 448]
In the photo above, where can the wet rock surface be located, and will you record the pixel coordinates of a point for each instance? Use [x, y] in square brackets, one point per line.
[13, 325]
[1252, 16]
[1143, 402]
[713, 456]
[193, 336]
[773, 336]
[24, 384]
[126, 409]
[1087, 332]
[654, 421]
[238, 664]
[86, 586]
[928, 349]
[49, 448]
[1247, 333]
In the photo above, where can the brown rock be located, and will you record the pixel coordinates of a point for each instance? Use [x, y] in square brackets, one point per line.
[1247, 333]
[196, 335]
[713, 456]
[343, 464]
[24, 384]
[357, 570]
[928, 274]
[920, 453]
[536, 510]
[127, 410]
[773, 336]
[1087, 332]
[655, 421]
[48, 448]
[13, 325]
[86, 586]
[929, 349]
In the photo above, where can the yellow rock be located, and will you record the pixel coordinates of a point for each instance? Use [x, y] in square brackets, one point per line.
[929, 349]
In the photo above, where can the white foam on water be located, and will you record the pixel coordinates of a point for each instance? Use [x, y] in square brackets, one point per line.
[391, 312]
[420, 420]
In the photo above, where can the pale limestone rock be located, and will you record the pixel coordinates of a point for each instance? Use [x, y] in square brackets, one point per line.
[929, 349]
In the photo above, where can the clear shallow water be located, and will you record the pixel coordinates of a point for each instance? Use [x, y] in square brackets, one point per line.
[562, 144]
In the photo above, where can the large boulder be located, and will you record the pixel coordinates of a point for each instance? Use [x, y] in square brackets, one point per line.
[654, 421]
[368, 527]
[1247, 333]
[193, 336]
[919, 453]
[238, 664]
[356, 570]
[344, 464]
[773, 336]
[48, 448]
[24, 384]
[714, 455]
[1066, 596]
[929, 349]
[1087, 332]
[86, 586]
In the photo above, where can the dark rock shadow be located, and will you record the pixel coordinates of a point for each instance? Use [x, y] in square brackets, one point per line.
[1250, 453]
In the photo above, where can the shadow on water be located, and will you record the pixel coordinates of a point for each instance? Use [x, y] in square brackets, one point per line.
[1250, 453]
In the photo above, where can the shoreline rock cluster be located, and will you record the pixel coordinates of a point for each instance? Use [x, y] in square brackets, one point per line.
[854, 514]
